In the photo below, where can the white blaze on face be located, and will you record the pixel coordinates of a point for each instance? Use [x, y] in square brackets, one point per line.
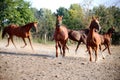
[98, 24]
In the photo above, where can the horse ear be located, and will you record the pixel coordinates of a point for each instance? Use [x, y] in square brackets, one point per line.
[56, 14]
[113, 27]
[35, 22]
[97, 18]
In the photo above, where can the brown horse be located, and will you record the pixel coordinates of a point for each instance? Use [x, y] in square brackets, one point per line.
[60, 36]
[78, 36]
[106, 39]
[23, 32]
[93, 39]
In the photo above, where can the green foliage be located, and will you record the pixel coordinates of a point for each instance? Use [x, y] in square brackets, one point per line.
[46, 23]
[75, 17]
[108, 17]
[116, 38]
[15, 11]
[72, 18]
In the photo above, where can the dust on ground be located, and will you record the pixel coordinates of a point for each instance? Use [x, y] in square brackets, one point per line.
[41, 64]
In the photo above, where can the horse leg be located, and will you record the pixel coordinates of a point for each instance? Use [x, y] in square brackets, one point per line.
[13, 42]
[104, 48]
[30, 43]
[83, 39]
[77, 47]
[64, 47]
[90, 53]
[63, 50]
[56, 48]
[96, 53]
[101, 51]
[109, 49]
[24, 42]
[8, 42]
[67, 48]
[60, 47]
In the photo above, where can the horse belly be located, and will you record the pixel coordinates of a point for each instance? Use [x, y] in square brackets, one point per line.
[20, 34]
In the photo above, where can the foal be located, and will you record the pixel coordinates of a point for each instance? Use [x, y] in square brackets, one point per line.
[106, 39]
[60, 36]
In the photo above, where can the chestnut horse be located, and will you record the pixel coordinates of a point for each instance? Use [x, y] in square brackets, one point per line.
[106, 39]
[22, 31]
[60, 36]
[93, 39]
[78, 36]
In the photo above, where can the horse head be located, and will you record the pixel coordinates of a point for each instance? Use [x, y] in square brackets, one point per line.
[35, 25]
[58, 20]
[111, 30]
[95, 24]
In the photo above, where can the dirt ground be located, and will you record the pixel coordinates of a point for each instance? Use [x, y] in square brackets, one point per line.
[41, 64]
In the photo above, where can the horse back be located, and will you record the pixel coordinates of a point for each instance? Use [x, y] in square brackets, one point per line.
[105, 38]
[17, 31]
[74, 35]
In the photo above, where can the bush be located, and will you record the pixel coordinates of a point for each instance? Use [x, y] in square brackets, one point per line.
[116, 38]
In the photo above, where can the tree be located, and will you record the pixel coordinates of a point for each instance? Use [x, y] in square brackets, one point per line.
[15, 11]
[47, 23]
[115, 12]
[76, 17]
[65, 13]
[106, 19]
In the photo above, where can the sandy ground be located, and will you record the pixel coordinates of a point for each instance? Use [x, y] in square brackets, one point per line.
[24, 64]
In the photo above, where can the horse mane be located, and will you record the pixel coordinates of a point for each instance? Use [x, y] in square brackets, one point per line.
[27, 24]
[111, 30]
[12, 25]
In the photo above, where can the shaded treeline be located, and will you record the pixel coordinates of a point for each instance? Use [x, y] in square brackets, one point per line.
[75, 17]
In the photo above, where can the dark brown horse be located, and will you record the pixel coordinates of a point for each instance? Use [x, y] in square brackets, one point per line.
[78, 36]
[60, 36]
[22, 31]
[93, 39]
[106, 39]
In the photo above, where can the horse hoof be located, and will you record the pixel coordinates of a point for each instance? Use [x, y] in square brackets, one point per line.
[23, 47]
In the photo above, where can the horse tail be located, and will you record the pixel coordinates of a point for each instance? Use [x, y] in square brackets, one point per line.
[3, 33]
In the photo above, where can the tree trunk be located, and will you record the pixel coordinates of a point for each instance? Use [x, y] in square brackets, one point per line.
[45, 36]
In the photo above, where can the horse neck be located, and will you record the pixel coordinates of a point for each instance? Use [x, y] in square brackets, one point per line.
[69, 31]
[91, 32]
[109, 34]
[57, 24]
[27, 27]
